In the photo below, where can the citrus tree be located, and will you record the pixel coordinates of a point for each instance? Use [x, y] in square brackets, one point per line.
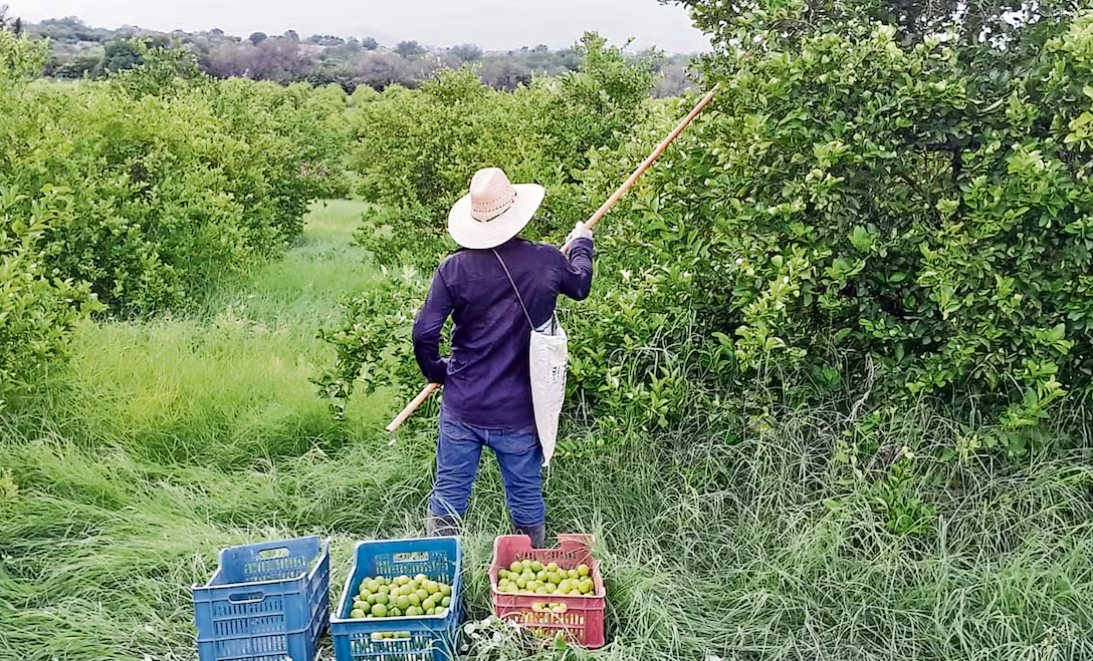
[134, 194]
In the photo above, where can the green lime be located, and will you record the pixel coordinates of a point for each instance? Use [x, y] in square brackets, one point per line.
[357, 614]
[446, 602]
[379, 610]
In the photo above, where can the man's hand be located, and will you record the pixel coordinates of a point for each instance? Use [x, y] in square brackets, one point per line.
[579, 232]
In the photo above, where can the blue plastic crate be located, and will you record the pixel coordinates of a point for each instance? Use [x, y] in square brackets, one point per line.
[266, 602]
[431, 638]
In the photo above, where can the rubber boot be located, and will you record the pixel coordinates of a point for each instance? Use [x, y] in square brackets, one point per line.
[441, 526]
[536, 533]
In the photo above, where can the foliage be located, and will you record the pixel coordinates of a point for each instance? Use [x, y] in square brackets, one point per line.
[417, 151]
[921, 204]
[984, 21]
[38, 311]
[148, 188]
[372, 348]
[409, 49]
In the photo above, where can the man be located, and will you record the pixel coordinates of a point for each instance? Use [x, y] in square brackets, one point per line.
[497, 288]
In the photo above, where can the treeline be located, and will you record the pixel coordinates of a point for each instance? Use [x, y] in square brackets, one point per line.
[79, 50]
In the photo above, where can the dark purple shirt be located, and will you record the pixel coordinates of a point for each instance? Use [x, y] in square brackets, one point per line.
[486, 380]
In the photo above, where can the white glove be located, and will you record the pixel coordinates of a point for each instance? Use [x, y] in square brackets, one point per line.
[579, 232]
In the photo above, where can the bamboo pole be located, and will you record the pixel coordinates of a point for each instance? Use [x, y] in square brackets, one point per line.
[429, 389]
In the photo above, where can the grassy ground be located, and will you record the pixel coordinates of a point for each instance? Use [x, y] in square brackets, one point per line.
[167, 440]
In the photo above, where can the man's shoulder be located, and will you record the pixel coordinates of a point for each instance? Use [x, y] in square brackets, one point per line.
[454, 257]
[541, 250]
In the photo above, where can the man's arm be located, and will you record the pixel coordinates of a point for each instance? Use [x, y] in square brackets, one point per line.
[427, 326]
[576, 281]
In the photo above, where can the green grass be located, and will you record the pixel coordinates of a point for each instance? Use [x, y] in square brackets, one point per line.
[165, 440]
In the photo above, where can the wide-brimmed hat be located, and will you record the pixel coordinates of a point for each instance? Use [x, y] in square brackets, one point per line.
[494, 211]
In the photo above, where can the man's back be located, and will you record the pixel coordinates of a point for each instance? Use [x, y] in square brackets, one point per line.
[486, 382]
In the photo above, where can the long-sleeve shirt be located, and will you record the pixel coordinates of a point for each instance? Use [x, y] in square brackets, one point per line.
[486, 380]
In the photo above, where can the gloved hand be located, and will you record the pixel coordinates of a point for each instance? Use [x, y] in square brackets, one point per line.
[579, 232]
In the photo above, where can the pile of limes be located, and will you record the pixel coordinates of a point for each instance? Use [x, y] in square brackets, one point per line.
[533, 577]
[401, 596]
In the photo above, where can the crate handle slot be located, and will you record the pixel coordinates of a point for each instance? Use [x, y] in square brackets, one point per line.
[549, 608]
[414, 556]
[407, 637]
[273, 554]
[247, 598]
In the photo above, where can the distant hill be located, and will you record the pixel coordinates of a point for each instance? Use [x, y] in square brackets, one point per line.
[80, 50]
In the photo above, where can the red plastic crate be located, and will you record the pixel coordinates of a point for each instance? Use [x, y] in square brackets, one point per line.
[582, 619]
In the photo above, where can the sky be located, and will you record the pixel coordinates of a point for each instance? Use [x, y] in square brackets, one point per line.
[492, 24]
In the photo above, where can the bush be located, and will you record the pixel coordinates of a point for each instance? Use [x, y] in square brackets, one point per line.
[923, 205]
[37, 311]
[38, 307]
[166, 184]
[144, 189]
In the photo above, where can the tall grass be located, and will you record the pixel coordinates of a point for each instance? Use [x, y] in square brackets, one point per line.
[167, 440]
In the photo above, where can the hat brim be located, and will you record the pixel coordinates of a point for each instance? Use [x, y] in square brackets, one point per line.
[470, 233]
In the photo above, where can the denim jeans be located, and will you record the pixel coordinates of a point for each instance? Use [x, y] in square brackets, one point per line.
[518, 454]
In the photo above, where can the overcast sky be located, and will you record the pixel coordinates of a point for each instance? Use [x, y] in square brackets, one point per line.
[492, 24]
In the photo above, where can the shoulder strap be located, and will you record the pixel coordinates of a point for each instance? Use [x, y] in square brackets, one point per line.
[513, 283]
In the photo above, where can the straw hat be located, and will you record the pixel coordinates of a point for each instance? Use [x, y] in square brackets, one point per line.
[494, 211]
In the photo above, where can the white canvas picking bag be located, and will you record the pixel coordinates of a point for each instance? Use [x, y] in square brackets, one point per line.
[549, 358]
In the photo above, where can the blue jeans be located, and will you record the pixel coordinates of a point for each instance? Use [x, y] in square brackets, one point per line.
[519, 455]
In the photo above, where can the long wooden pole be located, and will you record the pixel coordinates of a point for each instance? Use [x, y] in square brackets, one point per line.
[590, 223]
